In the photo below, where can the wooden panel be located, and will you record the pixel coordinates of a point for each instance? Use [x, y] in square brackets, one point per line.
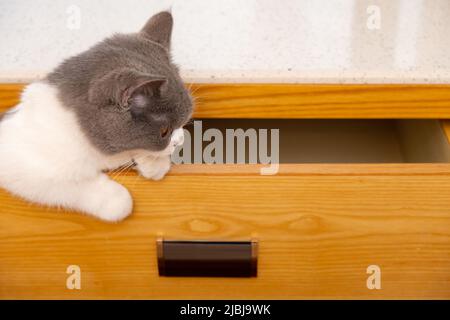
[306, 100]
[446, 127]
[423, 141]
[354, 169]
[322, 101]
[319, 228]
[9, 95]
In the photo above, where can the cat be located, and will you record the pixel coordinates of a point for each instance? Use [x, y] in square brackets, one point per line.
[120, 103]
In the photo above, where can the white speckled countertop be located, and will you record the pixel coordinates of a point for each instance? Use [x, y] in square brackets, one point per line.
[312, 41]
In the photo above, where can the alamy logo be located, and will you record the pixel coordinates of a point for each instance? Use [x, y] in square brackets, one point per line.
[74, 17]
[237, 146]
[374, 280]
[374, 18]
[74, 279]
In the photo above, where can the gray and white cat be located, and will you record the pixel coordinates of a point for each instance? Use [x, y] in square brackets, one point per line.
[120, 102]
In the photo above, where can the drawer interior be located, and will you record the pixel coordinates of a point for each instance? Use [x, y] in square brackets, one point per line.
[337, 141]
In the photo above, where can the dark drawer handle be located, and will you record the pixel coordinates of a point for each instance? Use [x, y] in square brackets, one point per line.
[207, 258]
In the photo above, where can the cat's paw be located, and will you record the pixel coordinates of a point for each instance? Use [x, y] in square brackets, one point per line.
[115, 203]
[154, 168]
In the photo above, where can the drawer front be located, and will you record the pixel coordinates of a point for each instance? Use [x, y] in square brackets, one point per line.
[304, 101]
[319, 227]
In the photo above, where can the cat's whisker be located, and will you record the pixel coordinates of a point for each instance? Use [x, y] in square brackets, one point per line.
[203, 95]
[136, 178]
[201, 98]
[126, 171]
[121, 167]
[195, 90]
[122, 170]
[115, 176]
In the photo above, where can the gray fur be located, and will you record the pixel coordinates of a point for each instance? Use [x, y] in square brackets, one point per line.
[125, 90]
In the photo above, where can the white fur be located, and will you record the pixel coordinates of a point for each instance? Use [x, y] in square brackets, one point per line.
[46, 158]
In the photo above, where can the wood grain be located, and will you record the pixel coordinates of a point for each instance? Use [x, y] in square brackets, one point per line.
[9, 95]
[317, 234]
[289, 101]
[446, 127]
[350, 169]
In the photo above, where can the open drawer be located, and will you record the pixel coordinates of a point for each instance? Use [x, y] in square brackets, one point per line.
[348, 194]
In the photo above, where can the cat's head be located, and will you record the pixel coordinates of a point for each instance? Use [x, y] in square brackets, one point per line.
[126, 91]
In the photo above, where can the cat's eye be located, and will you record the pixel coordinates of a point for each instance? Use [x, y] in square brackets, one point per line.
[164, 131]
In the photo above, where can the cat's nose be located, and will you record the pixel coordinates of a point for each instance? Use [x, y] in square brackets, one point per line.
[177, 138]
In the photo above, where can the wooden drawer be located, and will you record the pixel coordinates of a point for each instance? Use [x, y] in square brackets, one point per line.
[349, 194]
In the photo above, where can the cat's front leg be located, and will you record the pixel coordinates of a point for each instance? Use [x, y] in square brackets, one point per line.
[100, 197]
[152, 167]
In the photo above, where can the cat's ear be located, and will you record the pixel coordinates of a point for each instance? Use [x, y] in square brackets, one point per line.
[143, 84]
[159, 28]
[119, 86]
